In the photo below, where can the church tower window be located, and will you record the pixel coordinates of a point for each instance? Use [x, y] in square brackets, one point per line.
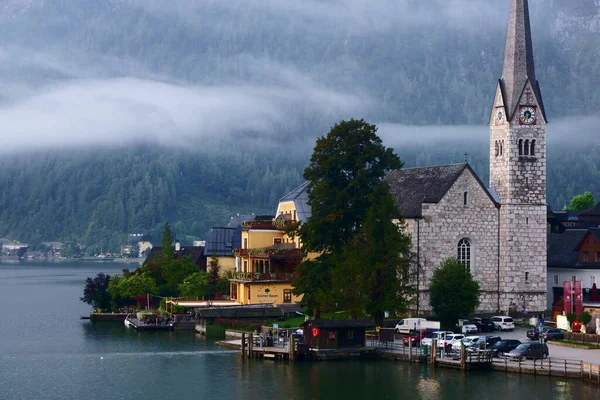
[502, 147]
[497, 149]
[532, 152]
[526, 148]
[464, 253]
[520, 147]
[466, 198]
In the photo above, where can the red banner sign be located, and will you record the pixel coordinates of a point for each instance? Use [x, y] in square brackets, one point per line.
[567, 297]
[578, 295]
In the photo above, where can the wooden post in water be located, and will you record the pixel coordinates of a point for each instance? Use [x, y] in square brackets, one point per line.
[433, 351]
[463, 357]
[250, 345]
[409, 349]
[292, 344]
[243, 344]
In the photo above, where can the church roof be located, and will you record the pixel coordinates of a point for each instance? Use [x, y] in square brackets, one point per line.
[519, 67]
[411, 187]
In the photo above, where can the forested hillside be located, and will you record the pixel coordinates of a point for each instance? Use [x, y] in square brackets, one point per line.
[96, 197]
[118, 115]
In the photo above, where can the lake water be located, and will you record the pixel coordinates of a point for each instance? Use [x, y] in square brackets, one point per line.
[47, 352]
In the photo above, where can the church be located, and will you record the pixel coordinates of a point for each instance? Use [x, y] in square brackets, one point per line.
[498, 231]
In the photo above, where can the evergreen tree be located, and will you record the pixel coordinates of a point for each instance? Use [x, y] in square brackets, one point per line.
[375, 271]
[345, 167]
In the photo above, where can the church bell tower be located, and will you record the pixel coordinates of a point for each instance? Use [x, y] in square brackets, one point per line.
[518, 171]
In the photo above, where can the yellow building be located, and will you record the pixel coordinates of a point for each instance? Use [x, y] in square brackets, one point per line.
[267, 260]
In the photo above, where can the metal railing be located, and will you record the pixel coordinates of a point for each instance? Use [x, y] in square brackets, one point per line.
[257, 276]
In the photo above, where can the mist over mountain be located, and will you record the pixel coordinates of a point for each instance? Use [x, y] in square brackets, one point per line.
[100, 99]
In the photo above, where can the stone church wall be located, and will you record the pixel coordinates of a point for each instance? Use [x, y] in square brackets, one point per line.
[444, 224]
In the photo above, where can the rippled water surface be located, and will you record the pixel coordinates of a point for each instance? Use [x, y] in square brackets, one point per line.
[46, 352]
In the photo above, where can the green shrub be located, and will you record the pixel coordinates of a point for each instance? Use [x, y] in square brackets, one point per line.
[585, 318]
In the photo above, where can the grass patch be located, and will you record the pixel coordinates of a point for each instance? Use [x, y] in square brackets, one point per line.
[566, 343]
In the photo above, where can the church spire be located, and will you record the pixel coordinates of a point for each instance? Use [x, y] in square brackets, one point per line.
[518, 58]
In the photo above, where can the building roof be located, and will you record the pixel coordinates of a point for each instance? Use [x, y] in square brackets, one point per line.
[519, 66]
[297, 192]
[411, 187]
[596, 233]
[335, 323]
[195, 252]
[221, 241]
[300, 198]
[592, 212]
[562, 248]
[237, 220]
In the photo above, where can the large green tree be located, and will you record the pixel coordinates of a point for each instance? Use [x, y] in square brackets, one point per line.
[195, 286]
[453, 292]
[581, 202]
[95, 292]
[375, 272]
[345, 167]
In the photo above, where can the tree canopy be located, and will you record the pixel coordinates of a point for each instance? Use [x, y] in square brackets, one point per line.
[453, 292]
[346, 167]
[95, 292]
[581, 202]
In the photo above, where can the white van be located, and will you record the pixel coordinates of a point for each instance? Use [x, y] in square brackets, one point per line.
[503, 323]
[407, 325]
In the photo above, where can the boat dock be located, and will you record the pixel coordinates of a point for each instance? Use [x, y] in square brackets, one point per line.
[143, 326]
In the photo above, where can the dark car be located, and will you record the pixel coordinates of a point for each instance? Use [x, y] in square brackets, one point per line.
[416, 337]
[491, 340]
[553, 334]
[504, 346]
[529, 350]
[483, 324]
[533, 333]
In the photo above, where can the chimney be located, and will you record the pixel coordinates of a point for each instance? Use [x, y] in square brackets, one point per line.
[177, 246]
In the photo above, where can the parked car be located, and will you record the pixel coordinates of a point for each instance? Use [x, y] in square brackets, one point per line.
[451, 339]
[407, 325]
[504, 346]
[491, 341]
[529, 350]
[467, 326]
[503, 323]
[416, 337]
[438, 335]
[553, 334]
[469, 341]
[483, 324]
[533, 333]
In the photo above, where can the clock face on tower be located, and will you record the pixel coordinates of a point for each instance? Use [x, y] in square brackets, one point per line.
[527, 115]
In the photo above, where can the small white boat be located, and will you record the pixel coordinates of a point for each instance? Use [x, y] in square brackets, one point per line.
[127, 322]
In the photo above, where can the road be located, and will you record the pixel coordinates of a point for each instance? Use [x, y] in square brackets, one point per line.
[559, 352]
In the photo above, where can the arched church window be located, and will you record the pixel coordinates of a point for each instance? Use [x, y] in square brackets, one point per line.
[497, 149]
[502, 147]
[532, 152]
[464, 253]
[526, 148]
[520, 147]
